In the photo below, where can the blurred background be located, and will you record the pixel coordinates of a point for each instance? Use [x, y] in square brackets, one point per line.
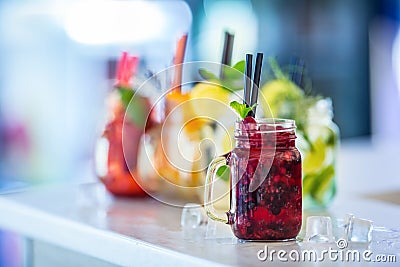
[56, 58]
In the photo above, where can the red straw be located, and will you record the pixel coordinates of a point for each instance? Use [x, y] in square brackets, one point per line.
[126, 69]
[121, 65]
[178, 60]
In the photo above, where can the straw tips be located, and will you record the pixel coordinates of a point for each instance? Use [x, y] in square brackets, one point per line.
[251, 85]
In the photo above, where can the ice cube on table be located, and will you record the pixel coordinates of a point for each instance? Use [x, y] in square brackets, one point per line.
[380, 234]
[193, 215]
[357, 230]
[319, 229]
[193, 221]
[342, 228]
[386, 240]
[220, 232]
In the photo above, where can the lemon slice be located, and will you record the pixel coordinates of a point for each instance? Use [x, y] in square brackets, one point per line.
[280, 95]
[209, 100]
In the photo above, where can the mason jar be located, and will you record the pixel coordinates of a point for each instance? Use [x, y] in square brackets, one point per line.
[265, 180]
[319, 143]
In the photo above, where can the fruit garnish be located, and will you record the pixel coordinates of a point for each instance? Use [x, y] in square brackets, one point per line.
[180, 103]
[286, 100]
[316, 185]
[227, 140]
[203, 99]
[315, 157]
[241, 109]
[281, 94]
[249, 120]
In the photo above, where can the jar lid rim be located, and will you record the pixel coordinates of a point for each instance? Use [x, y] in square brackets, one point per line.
[285, 123]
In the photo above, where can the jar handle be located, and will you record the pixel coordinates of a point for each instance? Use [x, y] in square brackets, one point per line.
[209, 188]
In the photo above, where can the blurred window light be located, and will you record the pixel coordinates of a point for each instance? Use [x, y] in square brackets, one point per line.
[54, 56]
[385, 79]
[235, 16]
[396, 61]
[107, 22]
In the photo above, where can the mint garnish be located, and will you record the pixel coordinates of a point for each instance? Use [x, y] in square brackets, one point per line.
[240, 66]
[136, 111]
[232, 78]
[208, 75]
[241, 109]
[277, 70]
[223, 172]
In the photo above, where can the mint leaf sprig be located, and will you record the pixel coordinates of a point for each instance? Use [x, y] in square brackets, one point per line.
[232, 78]
[137, 110]
[241, 109]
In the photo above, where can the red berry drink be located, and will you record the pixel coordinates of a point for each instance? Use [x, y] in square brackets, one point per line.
[266, 191]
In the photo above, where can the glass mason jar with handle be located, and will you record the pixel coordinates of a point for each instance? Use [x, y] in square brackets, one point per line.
[266, 181]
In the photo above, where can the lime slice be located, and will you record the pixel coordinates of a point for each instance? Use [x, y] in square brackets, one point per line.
[321, 183]
[315, 157]
[308, 182]
[331, 137]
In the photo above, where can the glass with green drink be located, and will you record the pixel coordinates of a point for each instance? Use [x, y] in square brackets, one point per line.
[288, 96]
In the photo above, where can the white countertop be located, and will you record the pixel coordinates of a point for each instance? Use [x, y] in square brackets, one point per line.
[144, 232]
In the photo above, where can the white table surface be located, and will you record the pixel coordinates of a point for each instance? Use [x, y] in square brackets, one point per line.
[144, 232]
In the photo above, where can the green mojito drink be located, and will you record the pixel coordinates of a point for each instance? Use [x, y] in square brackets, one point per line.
[318, 135]
[319, 154]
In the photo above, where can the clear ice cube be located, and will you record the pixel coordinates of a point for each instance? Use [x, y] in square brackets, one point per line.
[386, 241]
[358, 230]
[319, 229]
[193, 221]
[220, 232]
[342, 228]
[193, 216]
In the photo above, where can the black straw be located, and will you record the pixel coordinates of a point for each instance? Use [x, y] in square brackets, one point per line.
[226, 52]
[247, 77]
[256, 80]
[297, 70]
[228, 46]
